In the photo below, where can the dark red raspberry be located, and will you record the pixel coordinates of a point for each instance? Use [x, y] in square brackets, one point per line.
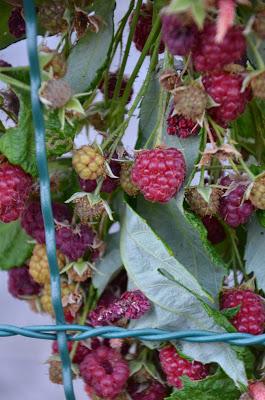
[216, 232]
[4, 64]
[233, 208]
[80, 354]
[179, 37]
[16, 23]
[181, 126]
[176, 366]
[159, 173]
[15, 186]
[154, 391]
[32, 220]
[105, 371]
[251, 315]
[143, 28]
[225, 90]
[209, 55]
[131, 305]
[112, 81]
[74, 242]
[20, 283]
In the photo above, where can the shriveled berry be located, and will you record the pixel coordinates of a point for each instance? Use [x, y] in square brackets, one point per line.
[143, 28]
[20, 283]
[88, 163]
[55, 93]
[199, 205]
[251, 315]
[179, 36]
[51, 16]
[15, 186]
[56, 373]
[257, 194]
[126, 180]
[32, 220]
[209, 55]
[16, 23]
[159, 173]
[215, 230]
[175, 366]
[225, 90]
[182, 127]
[233, 208]
[74, 242]
[39, 265]
[105, 371]
[190, 101]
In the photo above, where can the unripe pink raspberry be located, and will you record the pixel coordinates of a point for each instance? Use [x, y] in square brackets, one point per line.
[251, 315]
[15, 186]
[20, 283]
[105, 371]
[159, 173]
[176, 366]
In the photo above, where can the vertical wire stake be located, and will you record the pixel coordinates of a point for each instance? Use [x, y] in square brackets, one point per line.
[38, 119]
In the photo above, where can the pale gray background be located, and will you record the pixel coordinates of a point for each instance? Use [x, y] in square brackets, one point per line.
[23, 373]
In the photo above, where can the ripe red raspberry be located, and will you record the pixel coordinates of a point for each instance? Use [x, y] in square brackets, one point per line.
[112, 81]
[182, 127]
[32, 220]
[80, 354]
[16, 23]
[210, 55]
[74, 242]
[233, 209]
[143, 28]
[225, 90]
[105, 371]
[4, 64]
[180, 37]
[176, 366]
[15, 186]
[154, 391]
[251, 315]
[215, 230]
[159, 173]
[20, 283]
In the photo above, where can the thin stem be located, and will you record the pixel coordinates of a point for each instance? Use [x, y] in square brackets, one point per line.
[245, 167]
[127, 50]
[232, 236]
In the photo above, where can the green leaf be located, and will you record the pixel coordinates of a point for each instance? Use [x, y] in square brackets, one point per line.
[230, 312]
[88, 58]
[148, 111]
[255, 251]
[14, 245]
[185, 234]
[18, 143]
[109, 265]
[216, 387]
[261, 217]
[174, 307]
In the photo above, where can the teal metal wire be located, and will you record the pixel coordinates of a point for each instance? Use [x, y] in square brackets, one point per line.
[62, 331]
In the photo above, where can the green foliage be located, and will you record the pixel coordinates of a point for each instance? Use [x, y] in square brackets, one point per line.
[88, 58]
[14, 245]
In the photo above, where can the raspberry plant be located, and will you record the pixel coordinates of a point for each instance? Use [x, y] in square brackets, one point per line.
[167, 235]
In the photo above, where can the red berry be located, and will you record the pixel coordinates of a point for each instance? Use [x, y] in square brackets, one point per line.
[105, 371]
[181, 126]
[225, 90]
[80, 354]
[179, 37]
[112, 81]
[15, 186]
[176, 366]
[159, 173]
[143, 28]
[73, 243]
[251, 315]
[216, 232]
[154, 391]
[32, 220]
[233, 209]
[16, 23]
[20, 283]
[210, 55]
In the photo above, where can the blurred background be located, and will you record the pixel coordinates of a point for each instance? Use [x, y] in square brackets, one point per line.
[23, 372]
